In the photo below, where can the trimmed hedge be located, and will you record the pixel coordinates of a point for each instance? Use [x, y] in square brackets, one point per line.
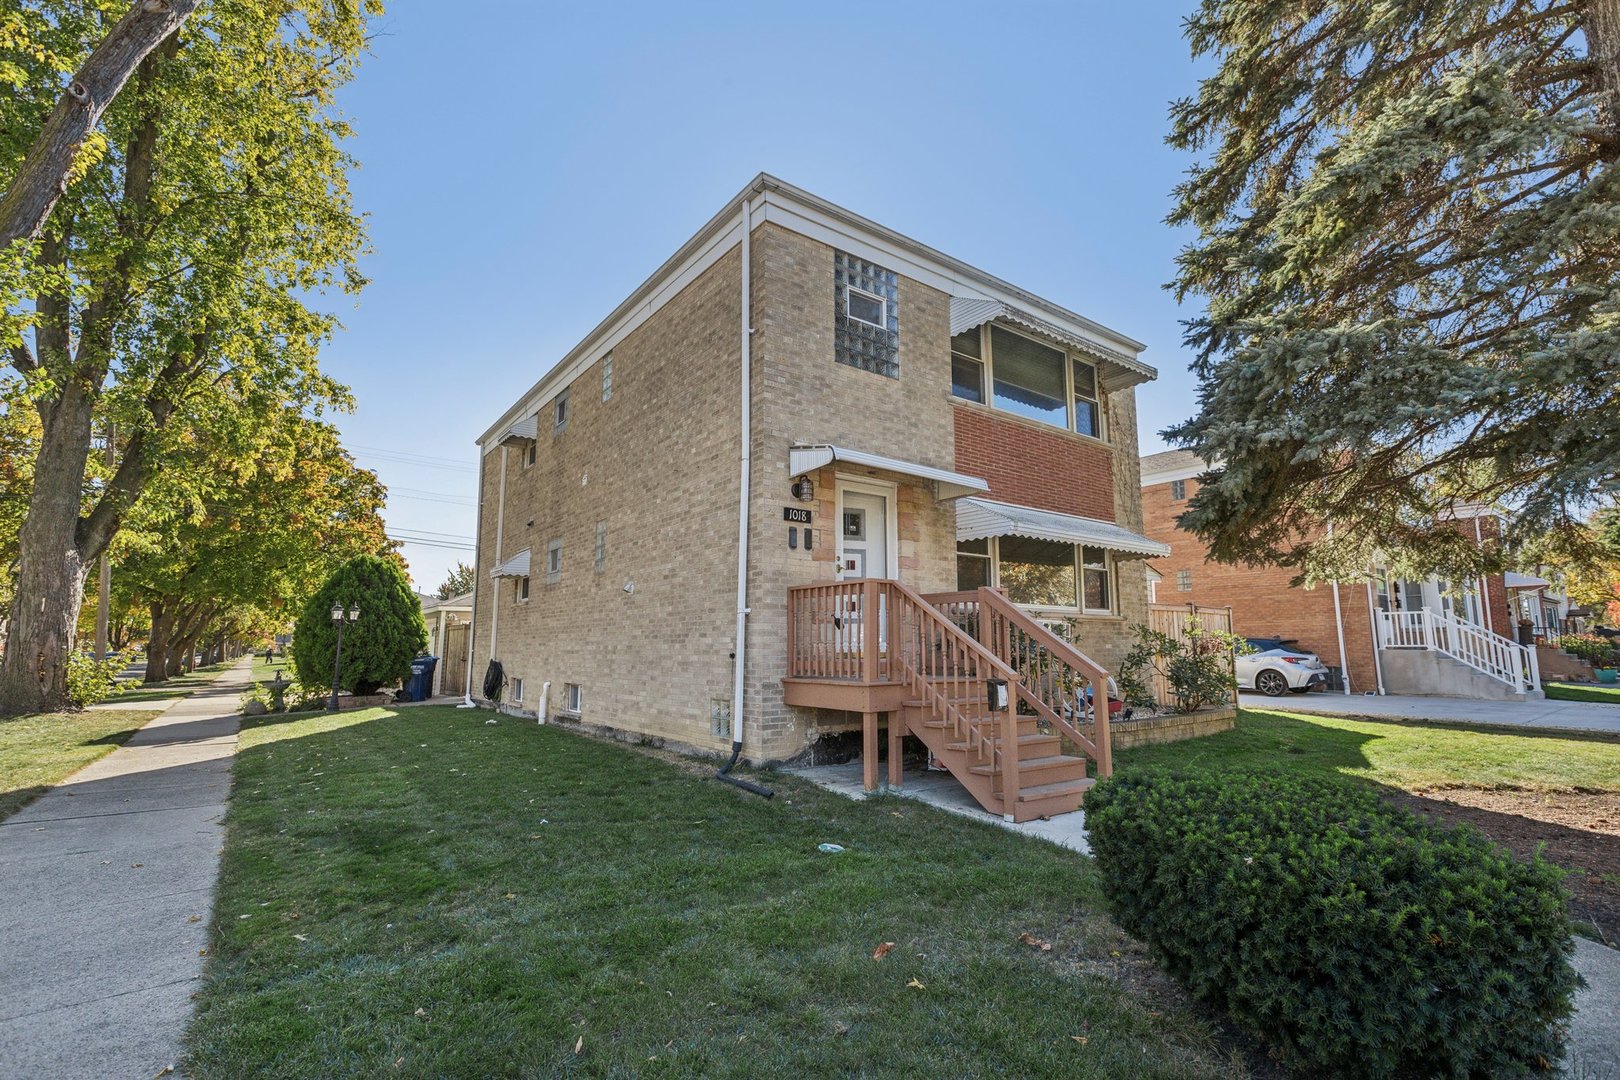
[1354, 936]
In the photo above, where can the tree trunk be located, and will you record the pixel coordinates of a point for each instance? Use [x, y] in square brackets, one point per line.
[44, 172]
[157, 649]
[1602, 28]
[51, 565]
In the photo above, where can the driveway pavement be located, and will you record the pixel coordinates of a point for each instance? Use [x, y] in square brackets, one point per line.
[108, 886]
[1553, 715]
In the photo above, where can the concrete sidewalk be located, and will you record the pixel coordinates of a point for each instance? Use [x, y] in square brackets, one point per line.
[1536, 715]
[108, 882]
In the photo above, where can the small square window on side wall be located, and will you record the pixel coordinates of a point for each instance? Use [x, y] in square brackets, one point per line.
[554, 562]
[1178, 490]
[1183, 581]
[559, 413]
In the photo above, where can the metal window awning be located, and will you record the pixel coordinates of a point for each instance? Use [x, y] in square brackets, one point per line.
[515, 566]
[1120, 369]
[980, 519]
[1513, 580]
[948, 485]
[527, 428]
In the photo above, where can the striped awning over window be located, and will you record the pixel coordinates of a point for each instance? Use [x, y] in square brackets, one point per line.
[979, 519]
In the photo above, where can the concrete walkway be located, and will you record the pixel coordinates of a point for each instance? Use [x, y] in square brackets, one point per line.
[108, 886]
[1537, 715]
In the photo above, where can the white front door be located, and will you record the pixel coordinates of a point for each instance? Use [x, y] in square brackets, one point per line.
[863, 535]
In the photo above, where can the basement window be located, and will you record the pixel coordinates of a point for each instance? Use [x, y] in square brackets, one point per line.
[517, 691]
[572, 699]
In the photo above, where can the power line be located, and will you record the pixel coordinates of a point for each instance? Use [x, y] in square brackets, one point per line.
[434, 533]
[402, 457]
[431, 543]
[439, 496]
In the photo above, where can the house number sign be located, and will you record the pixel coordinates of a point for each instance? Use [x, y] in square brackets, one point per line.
[799, 515]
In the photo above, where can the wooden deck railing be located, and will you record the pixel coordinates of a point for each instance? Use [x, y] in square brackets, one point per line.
[871, 630]
[1054, 676]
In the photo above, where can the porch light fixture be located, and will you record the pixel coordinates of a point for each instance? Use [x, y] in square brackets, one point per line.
[995, 694]
[803, 489]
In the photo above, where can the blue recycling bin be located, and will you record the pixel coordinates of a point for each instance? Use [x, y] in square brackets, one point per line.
[420, 686]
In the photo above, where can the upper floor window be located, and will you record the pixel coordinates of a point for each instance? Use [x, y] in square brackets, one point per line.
[607, 376]
[967, 366]
[1026, 377]
[1183, 581]
[1178, 490]
[554, 562]
[530, 454]
[601, 546]
[520, 588]
[866, 319]
[559, 413]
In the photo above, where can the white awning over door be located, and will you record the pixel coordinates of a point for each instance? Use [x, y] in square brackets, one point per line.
[949, 485]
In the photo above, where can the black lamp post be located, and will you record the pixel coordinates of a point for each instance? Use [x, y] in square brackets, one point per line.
[338, 619]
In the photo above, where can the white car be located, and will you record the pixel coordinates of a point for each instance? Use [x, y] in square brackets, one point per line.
[1274, 670]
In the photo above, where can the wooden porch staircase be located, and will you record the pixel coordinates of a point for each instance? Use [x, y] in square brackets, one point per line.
[876, 646]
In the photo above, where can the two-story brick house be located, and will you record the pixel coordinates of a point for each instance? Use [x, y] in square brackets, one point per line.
[676, 520]
[1384, 635]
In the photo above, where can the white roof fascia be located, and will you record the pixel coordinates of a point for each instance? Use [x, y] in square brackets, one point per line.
[980, 519]
[1164, 476]
[795, 209]
[950, 485]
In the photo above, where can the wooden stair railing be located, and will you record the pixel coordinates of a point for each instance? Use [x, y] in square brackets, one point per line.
[1053, 675]
[871, 631]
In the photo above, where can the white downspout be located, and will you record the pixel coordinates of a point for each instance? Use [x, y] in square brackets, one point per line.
[741, 667]
[500, 532]
[472, 630]
[1338, 625]
[1372, 619]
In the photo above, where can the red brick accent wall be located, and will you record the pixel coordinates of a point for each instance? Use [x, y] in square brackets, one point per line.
[1030, 467]
[1263, 602]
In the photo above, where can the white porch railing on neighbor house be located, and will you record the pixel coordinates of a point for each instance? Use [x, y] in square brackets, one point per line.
[1499, 657]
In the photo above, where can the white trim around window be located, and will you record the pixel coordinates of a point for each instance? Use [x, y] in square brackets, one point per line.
[1079, 399]
[851, 293]
[1086, 561]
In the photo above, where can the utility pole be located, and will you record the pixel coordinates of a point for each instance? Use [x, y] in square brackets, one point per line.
[104, 593]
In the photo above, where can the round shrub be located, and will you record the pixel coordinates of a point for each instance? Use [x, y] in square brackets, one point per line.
[377, 650]
[1354, 936]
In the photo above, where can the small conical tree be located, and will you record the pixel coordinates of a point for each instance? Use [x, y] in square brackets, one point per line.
[378, 649]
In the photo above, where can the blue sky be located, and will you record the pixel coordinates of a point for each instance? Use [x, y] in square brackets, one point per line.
[526, 165]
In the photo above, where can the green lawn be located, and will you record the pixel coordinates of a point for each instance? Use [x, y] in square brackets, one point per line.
[1607, 695]
[39, 751]
[419, 894]
[177, 687]
[1403, 755]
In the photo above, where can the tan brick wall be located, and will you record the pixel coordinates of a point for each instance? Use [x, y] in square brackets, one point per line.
[658, 463]
[802, 395]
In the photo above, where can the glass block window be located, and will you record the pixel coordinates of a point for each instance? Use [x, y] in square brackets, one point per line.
[1184, 581]
[601, 546]
[607, 377]
[866, 315]
[1178, 490]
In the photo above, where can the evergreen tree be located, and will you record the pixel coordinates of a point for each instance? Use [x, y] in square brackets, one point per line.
[379, 647]
[1409, 233]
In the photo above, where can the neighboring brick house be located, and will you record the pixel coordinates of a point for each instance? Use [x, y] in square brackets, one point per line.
[898, 399]
[1342, 621]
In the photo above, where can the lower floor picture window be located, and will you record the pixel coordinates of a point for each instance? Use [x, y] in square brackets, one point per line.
[571, 698]
[972, 564]
[1037, 572]
[1094, 567]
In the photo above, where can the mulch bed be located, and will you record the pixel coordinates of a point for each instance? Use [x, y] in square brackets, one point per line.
[1580, 831]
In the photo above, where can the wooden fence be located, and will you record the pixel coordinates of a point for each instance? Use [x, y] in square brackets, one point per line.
[1174, 619]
